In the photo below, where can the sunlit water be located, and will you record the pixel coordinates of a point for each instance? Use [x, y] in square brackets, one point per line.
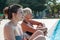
[56, 33]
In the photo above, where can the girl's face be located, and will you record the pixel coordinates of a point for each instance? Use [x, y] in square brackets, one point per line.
[29, 16]
[19, 15]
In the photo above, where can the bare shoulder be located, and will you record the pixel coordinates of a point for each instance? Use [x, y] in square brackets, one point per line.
[7, 27]
[8, 32]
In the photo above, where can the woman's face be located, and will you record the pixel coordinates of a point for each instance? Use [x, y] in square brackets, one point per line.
[29, 16]
[19, 14]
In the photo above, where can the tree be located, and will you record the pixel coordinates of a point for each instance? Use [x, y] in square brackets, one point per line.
[10, 2]
[36, 5]
[2, 4]
[53, 6]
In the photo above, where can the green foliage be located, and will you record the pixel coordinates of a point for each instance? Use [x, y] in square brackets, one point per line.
[2, 4]
[36, 5]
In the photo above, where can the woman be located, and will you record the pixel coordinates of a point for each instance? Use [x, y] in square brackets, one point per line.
[27, 24]
[13, 30]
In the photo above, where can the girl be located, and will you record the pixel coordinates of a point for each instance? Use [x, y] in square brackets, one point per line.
[27, 25]
[13, 30]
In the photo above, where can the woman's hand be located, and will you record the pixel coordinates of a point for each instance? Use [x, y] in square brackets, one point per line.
[44, 29]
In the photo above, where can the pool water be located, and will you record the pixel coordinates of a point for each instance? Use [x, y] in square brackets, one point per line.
[56, 33]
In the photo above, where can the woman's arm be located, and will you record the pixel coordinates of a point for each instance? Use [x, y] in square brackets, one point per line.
[40, 26]
[25, 28]
[35, 22]
[8, 33]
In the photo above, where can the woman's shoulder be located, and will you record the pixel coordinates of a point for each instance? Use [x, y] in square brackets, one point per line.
[7, 26]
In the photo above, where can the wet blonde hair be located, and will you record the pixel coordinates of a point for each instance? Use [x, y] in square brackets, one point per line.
[27, 11]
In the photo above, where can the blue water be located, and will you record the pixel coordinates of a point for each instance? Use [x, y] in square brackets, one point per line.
[56, 33]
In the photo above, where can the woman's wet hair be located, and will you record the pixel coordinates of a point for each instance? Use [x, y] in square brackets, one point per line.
[13, 9]
[27, 10]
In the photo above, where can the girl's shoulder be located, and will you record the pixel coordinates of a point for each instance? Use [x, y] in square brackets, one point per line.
[7, 26]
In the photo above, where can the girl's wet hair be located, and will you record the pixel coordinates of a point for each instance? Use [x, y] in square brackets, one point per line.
[27, 10]
[13, 9]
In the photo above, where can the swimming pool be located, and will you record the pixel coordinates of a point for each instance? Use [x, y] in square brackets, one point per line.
[56, 33]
